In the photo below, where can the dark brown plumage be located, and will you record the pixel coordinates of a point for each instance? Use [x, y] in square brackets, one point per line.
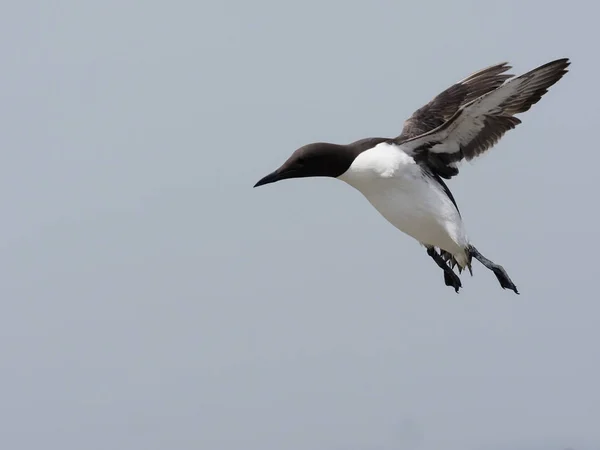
[444, 105]
[476, 125]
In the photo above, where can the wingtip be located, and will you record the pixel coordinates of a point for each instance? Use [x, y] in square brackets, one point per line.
[561, 63]
[559, 67]
[564, 62]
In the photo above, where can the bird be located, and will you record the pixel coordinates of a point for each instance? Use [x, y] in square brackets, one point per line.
[403, 177]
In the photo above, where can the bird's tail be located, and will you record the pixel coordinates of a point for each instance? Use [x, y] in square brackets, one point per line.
[453, 262]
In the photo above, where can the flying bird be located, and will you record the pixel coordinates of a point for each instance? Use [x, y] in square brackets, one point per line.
[402, 177]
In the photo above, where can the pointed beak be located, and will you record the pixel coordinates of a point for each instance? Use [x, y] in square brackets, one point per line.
[271, 178]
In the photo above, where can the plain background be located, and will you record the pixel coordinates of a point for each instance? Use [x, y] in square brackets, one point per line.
[151, 299]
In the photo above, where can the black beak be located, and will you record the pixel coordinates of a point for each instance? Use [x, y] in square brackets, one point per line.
[271, 178]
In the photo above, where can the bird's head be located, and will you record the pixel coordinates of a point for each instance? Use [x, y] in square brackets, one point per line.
[313, 160]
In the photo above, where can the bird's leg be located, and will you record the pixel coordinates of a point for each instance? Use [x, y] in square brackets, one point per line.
[450, 278]
[498, 270]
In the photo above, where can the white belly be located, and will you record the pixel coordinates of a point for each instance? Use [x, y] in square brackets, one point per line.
[395, 185]
[421, 212]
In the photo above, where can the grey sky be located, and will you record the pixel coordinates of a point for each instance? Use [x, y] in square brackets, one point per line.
[151, 299]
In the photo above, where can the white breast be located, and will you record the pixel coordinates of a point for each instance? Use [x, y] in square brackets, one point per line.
[409, 199]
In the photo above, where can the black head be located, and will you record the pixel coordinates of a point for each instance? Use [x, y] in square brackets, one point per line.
[319, 160]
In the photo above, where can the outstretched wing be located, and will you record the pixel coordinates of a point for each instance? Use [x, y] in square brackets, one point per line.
[442, 107]
[478, 125]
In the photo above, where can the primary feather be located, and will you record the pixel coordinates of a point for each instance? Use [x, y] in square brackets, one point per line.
[479, 124]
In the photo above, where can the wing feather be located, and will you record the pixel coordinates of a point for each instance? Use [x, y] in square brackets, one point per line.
[445, 105]
[477, 126]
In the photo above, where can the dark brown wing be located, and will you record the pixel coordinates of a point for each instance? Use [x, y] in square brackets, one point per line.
[478, 125]
[442, 107]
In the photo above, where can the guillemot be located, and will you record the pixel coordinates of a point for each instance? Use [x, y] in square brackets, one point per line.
[402, 177]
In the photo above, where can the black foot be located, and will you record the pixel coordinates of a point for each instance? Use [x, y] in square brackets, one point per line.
[504, 279]
[498, 270]
[450, 278]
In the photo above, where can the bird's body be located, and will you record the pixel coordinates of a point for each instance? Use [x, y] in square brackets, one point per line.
[409, 198]
[402, 177]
